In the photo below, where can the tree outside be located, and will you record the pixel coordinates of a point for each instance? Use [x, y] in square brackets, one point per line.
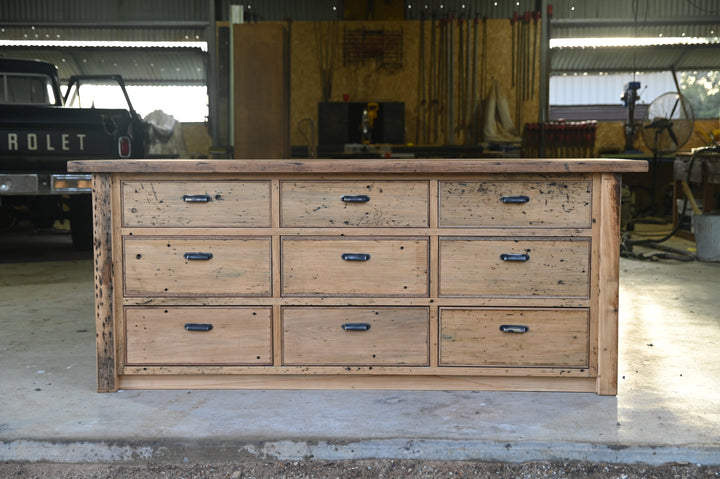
[703, 91]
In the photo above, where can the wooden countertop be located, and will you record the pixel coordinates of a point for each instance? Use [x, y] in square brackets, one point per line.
[376, 166]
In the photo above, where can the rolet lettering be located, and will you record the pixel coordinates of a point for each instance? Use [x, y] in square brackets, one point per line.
[31, 141]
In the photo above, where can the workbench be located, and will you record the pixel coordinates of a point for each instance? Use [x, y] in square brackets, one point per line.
[376, 274]
[705, 173]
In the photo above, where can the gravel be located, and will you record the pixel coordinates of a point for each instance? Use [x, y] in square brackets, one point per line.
[363, 469]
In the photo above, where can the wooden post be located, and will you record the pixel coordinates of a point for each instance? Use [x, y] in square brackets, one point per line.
[107, 377]
[609, 284]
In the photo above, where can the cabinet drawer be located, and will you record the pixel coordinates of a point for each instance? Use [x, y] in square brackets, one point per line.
[355, 267]
[515, 267]
[384, 336]
[198, 266]
[530, 338]
[551, 204]
[354, 203]
[196, 204]
[198, 335]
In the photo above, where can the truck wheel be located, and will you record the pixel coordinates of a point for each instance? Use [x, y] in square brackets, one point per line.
[81, 222]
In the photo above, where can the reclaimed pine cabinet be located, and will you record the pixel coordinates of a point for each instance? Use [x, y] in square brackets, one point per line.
[379, 274]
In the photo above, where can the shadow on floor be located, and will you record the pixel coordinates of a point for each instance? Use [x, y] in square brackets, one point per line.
[24, 243]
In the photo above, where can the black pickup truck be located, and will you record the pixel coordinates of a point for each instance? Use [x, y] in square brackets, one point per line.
[41, 130]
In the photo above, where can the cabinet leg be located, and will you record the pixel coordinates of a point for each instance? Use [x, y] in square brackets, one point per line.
[609, 285]
[107, 379]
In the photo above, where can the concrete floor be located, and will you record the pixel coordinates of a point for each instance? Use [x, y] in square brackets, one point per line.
[667, 409]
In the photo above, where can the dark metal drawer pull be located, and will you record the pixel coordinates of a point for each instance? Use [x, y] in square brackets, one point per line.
[515, 199]
[198, 327]
[196, 198]
[355, 256]
[512, 328]
[356, 326]
[355, 198]
[198, 256]
[515, 257]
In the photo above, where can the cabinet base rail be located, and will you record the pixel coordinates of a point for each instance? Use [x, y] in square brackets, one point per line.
[420, 383]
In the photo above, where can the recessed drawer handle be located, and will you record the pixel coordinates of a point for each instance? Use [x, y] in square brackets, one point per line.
[198, 327]
[356, 326]
[512, 328]
[515, 257]
[198, 256]
[515, 199]
[355, 256]
[196, 198]
[355, 198]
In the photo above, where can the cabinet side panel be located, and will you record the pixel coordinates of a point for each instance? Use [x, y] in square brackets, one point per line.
[107, 379]
[608, 285]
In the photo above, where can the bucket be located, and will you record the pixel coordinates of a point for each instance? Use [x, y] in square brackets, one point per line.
[707, 236]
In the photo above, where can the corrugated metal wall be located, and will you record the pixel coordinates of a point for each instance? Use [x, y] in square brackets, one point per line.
[139, 66]
[607, 89]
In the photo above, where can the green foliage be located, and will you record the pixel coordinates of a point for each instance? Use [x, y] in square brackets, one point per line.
[703, 91]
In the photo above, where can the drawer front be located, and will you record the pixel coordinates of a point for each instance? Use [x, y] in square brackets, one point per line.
[515, 267]
[198, 335]
[561, 204]
[196, 204]
[518, 338]
[192, 267]
[355, 267]
[384, 336]
[354, 203]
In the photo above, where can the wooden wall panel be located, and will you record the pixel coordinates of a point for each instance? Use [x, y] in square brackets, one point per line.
[261, 59]
[318, 46]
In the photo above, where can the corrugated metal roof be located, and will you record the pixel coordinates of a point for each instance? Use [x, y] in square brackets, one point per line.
[643, 10]
[279, 10]
[562, 9]
[104, 12]
[140, 66]
[648, 19]
[188, 20]
[628, 59]
[660, 29]
[123, 11]
[94, 33]
[484, 8]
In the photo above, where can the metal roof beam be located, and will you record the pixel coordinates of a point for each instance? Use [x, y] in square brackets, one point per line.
[111, 24]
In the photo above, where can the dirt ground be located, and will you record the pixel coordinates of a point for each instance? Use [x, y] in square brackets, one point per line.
[360, 469]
